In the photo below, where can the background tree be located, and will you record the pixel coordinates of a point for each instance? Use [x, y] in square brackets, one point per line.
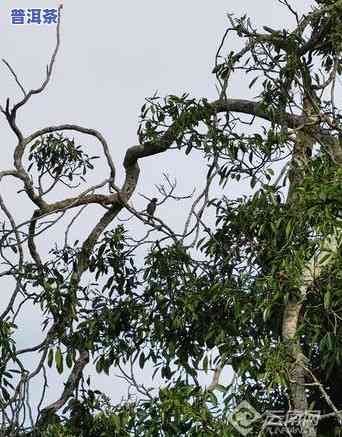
[258, 289]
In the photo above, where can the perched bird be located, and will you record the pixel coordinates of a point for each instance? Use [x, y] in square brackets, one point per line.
[151, 207]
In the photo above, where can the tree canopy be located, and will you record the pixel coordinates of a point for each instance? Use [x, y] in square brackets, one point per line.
[258, 288]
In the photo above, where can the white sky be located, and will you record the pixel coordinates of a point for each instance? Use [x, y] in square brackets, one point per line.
[112, 56]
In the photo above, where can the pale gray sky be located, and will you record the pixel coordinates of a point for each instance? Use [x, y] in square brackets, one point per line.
[112, 56]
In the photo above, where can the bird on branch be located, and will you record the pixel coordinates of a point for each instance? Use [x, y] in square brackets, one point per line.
[151, 207]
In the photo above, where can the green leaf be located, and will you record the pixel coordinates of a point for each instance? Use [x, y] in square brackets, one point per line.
[142, 360]
[327, 299]
[50, 358]
[59, 360]
[69, 360]
[253, 181]
[205, 364]
[99, 365]
[253, 82]
[188, 149]
[221, 388]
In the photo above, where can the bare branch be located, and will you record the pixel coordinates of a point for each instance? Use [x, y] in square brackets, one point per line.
[15, 76]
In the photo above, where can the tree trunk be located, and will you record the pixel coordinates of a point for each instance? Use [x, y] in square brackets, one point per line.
[297, 372]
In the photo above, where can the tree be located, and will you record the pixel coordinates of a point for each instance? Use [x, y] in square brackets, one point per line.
[261, 286]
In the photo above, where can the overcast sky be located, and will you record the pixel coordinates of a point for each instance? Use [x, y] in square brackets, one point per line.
[112, 56]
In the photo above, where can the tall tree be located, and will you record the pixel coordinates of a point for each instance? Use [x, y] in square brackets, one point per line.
[260, 288]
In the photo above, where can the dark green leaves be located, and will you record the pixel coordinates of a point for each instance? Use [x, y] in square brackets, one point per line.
[59, 158]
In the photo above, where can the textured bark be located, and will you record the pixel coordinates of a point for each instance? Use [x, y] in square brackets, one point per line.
[305, 139]
[304, 142]
[296, 371]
